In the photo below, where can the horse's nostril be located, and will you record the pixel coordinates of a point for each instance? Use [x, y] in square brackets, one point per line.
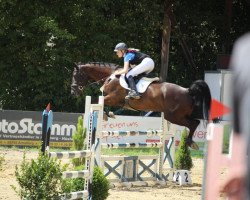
[80, 87]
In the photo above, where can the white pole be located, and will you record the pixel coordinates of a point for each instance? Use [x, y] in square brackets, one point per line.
[99, 108]
[87, 111]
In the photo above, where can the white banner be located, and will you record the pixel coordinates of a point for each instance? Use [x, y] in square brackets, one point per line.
[132, 123]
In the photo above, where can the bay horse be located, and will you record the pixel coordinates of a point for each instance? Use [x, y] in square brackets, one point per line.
[181, 106]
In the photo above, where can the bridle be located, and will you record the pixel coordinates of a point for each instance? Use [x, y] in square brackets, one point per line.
[89, 83]
[81, 73]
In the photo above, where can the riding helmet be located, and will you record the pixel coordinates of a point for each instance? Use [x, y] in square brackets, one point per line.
[121, 46]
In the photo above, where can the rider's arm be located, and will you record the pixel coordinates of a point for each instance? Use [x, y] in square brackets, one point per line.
[129, 56]
[124, 70]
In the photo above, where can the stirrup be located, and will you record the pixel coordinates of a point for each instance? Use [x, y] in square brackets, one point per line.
[133, 95]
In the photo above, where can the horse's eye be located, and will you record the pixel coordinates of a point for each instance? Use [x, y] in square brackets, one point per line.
[80, 87]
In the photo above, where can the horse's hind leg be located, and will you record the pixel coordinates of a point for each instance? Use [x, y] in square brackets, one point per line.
[192, 124]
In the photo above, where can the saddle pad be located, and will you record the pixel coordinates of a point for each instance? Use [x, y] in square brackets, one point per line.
[142, 84]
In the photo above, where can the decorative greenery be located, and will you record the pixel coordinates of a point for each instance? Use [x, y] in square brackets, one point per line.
[1, 162]
[100, 186]
[226, 137]
[40, 179]
[183, 159]
[79, 137]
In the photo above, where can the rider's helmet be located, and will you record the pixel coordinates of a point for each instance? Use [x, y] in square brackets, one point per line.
[121, 46]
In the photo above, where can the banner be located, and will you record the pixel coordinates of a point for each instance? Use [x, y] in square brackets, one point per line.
[24, 128]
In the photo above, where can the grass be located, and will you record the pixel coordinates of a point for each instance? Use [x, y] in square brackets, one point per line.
[1, 162]
[120, 152]
[131, 151]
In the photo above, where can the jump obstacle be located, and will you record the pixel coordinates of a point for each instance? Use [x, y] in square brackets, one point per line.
[89, 154]
[129, 173]
[131, 170]
[215, 159]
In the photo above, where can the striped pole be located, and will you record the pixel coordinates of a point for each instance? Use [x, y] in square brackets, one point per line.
[132, 145]
[148, 133]
[70, 154]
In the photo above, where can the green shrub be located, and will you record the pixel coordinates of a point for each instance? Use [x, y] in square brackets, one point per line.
[226, 138]
[40, 179]
[1, 162]
[100, 185]
[78, 141]
[183, 159]
[75, 184]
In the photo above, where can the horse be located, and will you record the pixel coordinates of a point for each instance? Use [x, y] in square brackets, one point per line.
[181, 106]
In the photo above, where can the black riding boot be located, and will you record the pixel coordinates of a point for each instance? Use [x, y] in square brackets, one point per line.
[133, 94]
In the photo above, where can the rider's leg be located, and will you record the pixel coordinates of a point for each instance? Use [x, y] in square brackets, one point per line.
[133, 92]
[147, 65]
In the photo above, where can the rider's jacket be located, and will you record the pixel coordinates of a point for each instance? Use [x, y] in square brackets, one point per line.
[134, 57]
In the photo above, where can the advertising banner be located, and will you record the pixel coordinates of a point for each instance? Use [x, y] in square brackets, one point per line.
[24, 128]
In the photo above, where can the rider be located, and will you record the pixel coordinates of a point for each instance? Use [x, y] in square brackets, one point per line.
[135, 63]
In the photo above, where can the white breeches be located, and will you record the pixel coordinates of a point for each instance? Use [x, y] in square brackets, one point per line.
[147, 65]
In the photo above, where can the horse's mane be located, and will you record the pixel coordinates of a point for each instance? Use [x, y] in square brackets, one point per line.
[102, 64]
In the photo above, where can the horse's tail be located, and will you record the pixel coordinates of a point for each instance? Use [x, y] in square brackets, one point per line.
[201, 95]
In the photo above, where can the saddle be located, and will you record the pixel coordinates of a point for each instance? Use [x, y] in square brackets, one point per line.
[142, 82]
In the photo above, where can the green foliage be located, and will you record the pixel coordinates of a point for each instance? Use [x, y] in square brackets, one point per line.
[226, 138]
[40, 179]
[1, 162]
[183, 159]
[131, 151]
[74, 184]
[100, 184]
[41, 40]
[79, 137]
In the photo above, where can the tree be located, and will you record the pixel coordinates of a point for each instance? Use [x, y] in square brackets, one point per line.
[40, 42]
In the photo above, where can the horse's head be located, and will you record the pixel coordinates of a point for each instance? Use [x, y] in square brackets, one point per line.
[90, 72]
[79, 81]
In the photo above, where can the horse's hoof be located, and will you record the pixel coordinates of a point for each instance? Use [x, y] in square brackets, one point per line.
[111, 115]
[105, 117]
[194, 146]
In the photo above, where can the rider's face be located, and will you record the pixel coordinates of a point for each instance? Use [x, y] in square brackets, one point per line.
[119, 54]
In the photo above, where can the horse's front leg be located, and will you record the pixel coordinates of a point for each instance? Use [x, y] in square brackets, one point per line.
[113, 100]
[108, 100]
[107, 114]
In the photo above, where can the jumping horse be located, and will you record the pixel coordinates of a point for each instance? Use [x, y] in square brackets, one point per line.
[181, 106]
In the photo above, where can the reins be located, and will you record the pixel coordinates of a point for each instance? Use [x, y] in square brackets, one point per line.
[89, 83]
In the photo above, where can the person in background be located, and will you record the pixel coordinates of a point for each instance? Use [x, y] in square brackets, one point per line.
[238, 186]
[135, 63]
